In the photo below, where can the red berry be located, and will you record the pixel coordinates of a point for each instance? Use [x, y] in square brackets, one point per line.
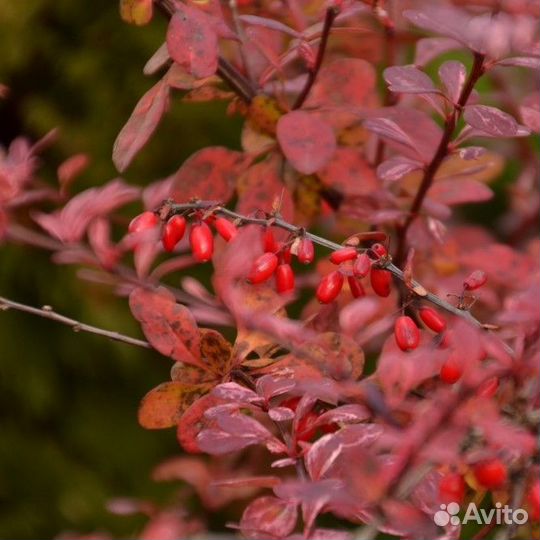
[432, 319]
[225, 228]
[475, 280]
[533, 499]
[270, 244]
[343, 254]
[201, 241]
[451, 371]
[143, 222]
[488, 388]
[356, 287]
[263, 268]
[286, 255]
[361, 266]
[380, 281]
[173, 232]
[491, 474]
[329, 287]
[379, 250]
[306, 251]
[452, 488]
[406, 333]
[284, 278]
[306, 429]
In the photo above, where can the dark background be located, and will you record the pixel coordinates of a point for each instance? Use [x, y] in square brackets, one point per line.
[69, 435]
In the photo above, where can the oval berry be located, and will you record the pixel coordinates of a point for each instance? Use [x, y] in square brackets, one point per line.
[488, 388]
[381, 281]
[533, 500]
[263, 268]
[343, 254]
[143, 222]
[356, 287]
[491, 474]
[475, 280]
[329, 287]
[451, 371]
[361, 265]
[284, 278]
[201, 241]
[173, 232]
[379, 250]
[306, 251]
[406, 333]
[270, 244]
[286, 255]
[432, 319]
[225, 228]
[452, 488]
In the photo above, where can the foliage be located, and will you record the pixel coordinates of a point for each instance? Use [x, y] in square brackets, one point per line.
[410, 367]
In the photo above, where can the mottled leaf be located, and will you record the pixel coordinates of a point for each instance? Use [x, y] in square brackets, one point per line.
[408, 80]
[491, 121]
[192, 41]
[208, 174]
[163, 405]
[307, 142]
[268, 517]
[215, 351]
[141, 125]
[397, 167]
[453, 74]
[530, 111]
[169, 327]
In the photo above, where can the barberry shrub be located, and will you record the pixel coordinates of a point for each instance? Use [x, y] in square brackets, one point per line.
[408, 376]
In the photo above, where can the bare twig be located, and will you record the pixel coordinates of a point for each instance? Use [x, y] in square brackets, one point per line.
[47, 313]
[441, 152]
[331, 14]
[171, 209]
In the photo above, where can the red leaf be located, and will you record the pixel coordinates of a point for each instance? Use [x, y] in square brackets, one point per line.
[349, 173]
[141, 125]
[408, 80]
[268, 516]
[261, 186]
[192, 41]
[208, 174]
[169, 327]
[307, 142]
[462, 191]
[395, 168]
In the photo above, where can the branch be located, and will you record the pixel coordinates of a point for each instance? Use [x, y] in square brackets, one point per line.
[236, 81]
[47, 313]
[169, 209]
[441, 152]
[330, 17]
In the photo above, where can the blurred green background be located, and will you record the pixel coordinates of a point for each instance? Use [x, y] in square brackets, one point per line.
[69, 436]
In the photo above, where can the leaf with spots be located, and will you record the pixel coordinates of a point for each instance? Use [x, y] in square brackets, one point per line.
[192, 41]
[169, 327]
[307, 142]
[215, 351]
[208, 174]
[164, 404]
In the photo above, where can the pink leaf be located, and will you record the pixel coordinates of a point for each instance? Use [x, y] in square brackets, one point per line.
[395, 168]
[169, 327]
[530, 62]
[268, 517]
[453, 74]
[271, 24]
[491, 121]
[232, 391]
[408, 80]
[427, 49]
[157, 61]
[192, 41]
[451, 192]
[141, 125]
[530, 111]
[307, 142]
[355, 315]
[249, 481]
[71, 168]
[280, 414]
[346, 414]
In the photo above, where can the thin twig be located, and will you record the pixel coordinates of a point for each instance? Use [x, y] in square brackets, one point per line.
[441, 152]
[329, 18]
[236, 80]
[47, 313]
[171, 209]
